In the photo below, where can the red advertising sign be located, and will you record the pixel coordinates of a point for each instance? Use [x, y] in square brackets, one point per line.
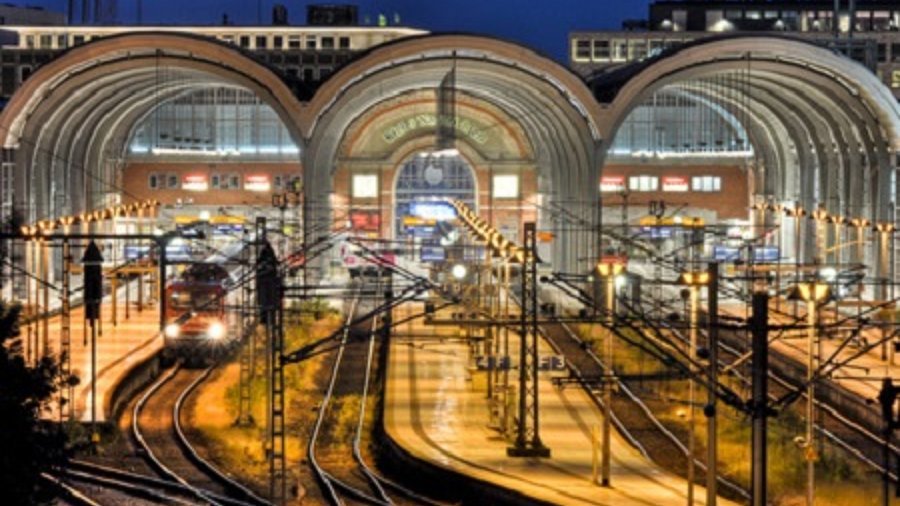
[674, 184]
[612, 183]
[369, 221]
[257, 183]
[195, 182]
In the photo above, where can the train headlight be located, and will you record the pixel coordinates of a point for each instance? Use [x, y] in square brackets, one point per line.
[216, 330]
[172, 330]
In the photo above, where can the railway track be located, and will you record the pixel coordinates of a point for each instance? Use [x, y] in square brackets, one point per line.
[341, 470]
[640, 425]
[157, 430]
[838, 428]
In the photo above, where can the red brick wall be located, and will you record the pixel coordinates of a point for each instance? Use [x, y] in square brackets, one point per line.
[732, 201]
[136, 179]
[506, 212]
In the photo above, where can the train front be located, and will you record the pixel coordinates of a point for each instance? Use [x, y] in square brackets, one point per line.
[197, 329]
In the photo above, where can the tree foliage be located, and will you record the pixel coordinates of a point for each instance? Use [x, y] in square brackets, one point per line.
[28, 444]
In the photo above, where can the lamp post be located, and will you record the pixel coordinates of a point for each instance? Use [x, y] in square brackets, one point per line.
[796, 213]
[820, 216]
[694, 281]
[608, 268]
[813, 293]
[885, 230]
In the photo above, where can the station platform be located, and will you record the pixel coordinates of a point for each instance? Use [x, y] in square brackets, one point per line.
[438, 413]
[119, 348]
[862, 375]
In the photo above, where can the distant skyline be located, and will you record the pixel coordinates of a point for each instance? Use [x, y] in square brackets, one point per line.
[540, 25]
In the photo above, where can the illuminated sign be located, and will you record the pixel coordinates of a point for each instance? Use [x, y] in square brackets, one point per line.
[369, 221]
[675, 184]
[726, 253]
[464, 126]
[432, 254]
[766, 254]
[195, 183]
[436, 211]
[609, 184]
[178, 252]
[657, 232]
[257, 183]
[137, 252]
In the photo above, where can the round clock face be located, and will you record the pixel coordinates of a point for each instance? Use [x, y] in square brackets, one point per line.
[433, 175]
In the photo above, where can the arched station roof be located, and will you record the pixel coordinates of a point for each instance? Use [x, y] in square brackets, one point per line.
[824, 126]
[808, 111]
[74, 114]
[551, 105]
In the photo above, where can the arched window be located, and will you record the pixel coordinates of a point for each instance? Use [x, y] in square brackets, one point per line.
[428, 178]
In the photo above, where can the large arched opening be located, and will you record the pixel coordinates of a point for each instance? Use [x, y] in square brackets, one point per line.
[781, 123]
[516, 116]
[75, 125]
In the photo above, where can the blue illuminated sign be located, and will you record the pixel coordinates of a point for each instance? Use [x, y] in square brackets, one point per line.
[432, 254]
[178, 252]
[440, 211]
[657, 232]
[764, 254]
[726, 253]
[137, 252]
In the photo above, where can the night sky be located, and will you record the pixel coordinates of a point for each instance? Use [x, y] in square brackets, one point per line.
[542, 25]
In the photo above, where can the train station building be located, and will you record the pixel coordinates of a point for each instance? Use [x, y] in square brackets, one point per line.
[373, 123]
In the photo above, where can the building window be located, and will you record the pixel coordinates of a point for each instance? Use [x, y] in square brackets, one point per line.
[506, 186]
[643, 183]
[638, 49]
[245, 41]
[706, 183]
[365, 186]
[277, 42]
[234, 182]
[895, 79]
[582, 50]
[261, 42]
[61, 41]
[46, 41]
[172, 181]
[327, 42]
[153, 181]
[310, 42]
[895, 52]
[277, 182]
[29, 41]
[214, 181]
[601, 50]
[77, 40]
[344, 43]
[620, 50]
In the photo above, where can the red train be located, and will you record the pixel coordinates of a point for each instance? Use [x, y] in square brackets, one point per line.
[197, 328]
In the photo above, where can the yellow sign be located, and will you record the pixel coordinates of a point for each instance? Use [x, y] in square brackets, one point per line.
[415, 221]
[671, 221]
[811, 454]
